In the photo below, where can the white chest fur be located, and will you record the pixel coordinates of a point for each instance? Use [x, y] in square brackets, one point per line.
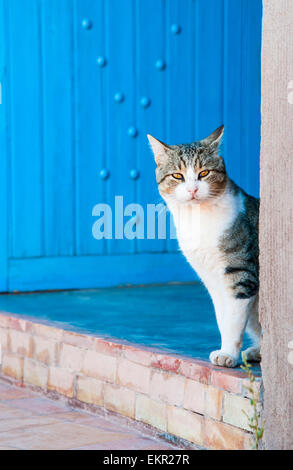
[199, 229]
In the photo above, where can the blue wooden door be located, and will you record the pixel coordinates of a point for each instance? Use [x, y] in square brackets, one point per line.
[82, 82]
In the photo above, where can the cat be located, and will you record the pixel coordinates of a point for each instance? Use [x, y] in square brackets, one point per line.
[217, 229]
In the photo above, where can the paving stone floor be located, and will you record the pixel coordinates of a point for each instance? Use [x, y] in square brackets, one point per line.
[29, 421]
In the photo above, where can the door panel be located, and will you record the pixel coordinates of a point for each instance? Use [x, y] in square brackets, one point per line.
[57, 57]
[83, 82]
[24, 178]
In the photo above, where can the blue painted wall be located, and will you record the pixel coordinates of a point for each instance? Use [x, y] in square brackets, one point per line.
[182, 68]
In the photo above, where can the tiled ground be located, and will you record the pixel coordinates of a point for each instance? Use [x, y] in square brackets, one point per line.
[28, 421]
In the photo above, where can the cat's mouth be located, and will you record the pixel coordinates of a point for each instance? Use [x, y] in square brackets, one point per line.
[194, 199]
[192, 202]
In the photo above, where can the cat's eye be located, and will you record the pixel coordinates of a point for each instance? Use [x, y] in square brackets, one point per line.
[178, 176]
[203, 173]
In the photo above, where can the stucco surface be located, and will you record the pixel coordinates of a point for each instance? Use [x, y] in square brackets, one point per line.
[276, 222]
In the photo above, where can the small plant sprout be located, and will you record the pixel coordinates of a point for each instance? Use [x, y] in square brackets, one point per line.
[254, 421]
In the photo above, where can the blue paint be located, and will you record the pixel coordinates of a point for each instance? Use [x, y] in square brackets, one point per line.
[173, 318]
[122, 132]
[25, 182]
[80, 272]
[4, 145]
[66, 70]
[89, 114]
[150, 44]
[58, 129]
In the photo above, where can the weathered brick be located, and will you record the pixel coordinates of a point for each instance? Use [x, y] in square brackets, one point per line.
[169, 363]
[121, 400]
[4, 320]
[213, 402]
[167, 387]
[90, 390]
[46, 331]
[18, 324]
[12, 366]
[4, 338]
[151, 412]
[20, 343]
[234, 408]
[140, 356]
[99, 366]
[199, 371]
[77, 339]
[107, 347]
[71, 357]
[61, 380]
[45, 350]
[221, 436]
[226, 380]
[134, 376]
[194, 396]
[35, 373]
[185, 424]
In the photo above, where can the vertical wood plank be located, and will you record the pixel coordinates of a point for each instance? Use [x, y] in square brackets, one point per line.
[251, 95]
[58, 127]
[90, 113]
[180, 99]
[4, 130]
[242, 44]
[120, 76]
[152, 118]
[26, 161]
[233, 29]
[180, 89]
[209, 66]
[276, 221]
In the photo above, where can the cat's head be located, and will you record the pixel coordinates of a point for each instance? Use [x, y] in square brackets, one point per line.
[190, 173]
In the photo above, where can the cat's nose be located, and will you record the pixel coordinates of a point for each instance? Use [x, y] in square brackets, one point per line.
[192, 191]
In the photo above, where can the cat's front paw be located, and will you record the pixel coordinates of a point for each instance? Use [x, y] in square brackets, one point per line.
[220, 358]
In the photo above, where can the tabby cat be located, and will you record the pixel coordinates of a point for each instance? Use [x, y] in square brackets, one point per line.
[217, 229]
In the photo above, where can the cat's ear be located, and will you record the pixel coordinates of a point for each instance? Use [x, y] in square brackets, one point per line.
[159, 149]
[214, 140]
